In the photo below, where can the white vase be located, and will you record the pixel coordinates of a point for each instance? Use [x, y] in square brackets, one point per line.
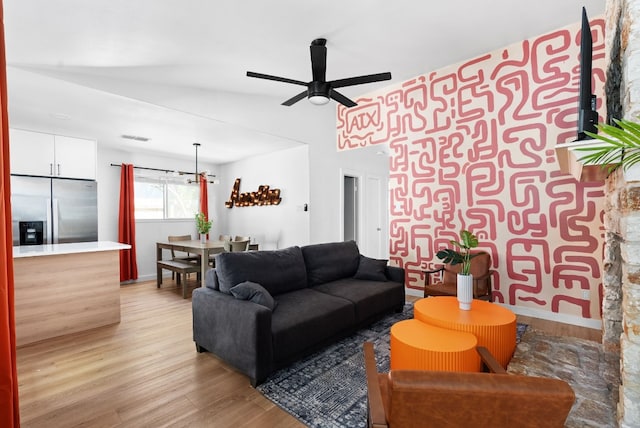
[203, 238]
[465, 291]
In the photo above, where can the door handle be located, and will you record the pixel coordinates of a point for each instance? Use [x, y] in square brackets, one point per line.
[56, 219]
[58, 169]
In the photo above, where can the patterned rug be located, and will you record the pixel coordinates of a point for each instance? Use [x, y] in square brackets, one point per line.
[329, 389]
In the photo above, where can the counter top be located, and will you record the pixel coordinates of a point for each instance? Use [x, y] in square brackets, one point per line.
[70, 248]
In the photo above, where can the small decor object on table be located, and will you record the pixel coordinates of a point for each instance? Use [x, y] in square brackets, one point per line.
[465, 279]
[203, 225]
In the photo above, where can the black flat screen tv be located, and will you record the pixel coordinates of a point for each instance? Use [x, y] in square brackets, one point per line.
[587, 114]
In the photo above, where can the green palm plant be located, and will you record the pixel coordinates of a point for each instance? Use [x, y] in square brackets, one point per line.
[454, 257]
[621, 146]
[202, 224]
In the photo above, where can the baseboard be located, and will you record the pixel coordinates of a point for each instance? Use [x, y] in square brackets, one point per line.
[414, 293]
[552, 316]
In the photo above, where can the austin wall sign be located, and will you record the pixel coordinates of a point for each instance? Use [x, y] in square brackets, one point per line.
[264, 196]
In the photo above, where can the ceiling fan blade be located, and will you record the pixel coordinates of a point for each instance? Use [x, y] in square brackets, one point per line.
[341, 99]
[295, 99]
[350, 81]
[319, 60]
[276, 78]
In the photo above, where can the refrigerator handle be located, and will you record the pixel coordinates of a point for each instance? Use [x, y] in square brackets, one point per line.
[54, 225]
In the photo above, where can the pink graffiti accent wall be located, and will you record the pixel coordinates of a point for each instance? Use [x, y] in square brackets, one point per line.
[472, 147]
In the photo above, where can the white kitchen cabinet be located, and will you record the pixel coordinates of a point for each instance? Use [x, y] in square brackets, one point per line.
[75, 157]
[32, 153]
[38, 153]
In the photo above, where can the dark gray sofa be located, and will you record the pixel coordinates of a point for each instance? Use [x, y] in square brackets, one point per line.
[261, 310]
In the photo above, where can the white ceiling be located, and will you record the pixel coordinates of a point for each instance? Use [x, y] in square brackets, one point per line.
[175, 70]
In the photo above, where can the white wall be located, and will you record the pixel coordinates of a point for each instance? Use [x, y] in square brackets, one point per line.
[326, 169]
[275, 226]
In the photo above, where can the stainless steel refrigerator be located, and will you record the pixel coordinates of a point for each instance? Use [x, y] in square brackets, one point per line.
[66, 210]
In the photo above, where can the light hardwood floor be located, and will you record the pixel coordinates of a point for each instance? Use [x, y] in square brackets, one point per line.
[142, 372]
[145, 372]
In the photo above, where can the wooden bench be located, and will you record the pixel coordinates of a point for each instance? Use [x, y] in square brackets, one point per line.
[179, 268]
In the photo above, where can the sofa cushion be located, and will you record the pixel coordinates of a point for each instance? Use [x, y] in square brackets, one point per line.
[305, 318]
[371, 269]
[330, 261]
[278, 271]
[211, 279]
[254, 292]
[371, 298]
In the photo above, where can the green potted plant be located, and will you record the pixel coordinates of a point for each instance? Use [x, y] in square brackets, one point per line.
[463, 257]
[203, 225]
[618, 147]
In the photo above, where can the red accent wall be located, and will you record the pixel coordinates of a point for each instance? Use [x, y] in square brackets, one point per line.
[472, 147]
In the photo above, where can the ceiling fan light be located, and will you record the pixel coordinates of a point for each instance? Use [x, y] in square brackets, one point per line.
[318, 100]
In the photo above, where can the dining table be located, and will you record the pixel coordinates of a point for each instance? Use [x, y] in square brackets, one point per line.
[202, 249]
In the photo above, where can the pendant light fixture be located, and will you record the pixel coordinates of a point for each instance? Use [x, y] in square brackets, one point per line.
[197, 180]
[198, 174]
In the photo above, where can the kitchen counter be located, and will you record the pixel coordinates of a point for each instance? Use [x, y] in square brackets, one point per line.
[70, 248]
[65, 288]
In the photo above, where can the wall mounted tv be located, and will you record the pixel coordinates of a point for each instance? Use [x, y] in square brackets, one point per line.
[587, 114]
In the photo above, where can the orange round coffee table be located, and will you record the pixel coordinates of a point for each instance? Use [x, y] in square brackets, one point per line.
[493, 325]
[419, 346]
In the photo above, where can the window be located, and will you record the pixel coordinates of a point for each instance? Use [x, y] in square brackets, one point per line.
[161, 199]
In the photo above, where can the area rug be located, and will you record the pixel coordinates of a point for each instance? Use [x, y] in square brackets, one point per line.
[329, 389]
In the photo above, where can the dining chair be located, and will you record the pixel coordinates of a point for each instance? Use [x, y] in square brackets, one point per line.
[239, 246]
[242, 238]
[227, 247]
[181, 255]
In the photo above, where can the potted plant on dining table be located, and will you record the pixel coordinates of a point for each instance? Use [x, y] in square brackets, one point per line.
[203, 225]
[464, 282]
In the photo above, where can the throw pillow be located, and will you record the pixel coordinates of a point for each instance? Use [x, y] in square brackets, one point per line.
[254, 292]
[371, 269]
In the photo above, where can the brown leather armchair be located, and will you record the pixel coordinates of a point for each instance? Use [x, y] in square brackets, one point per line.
[408, 399]
[480, 269]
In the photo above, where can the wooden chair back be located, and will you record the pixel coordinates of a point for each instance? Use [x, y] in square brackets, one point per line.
[180, 255]
[239, 245]
[446, 286]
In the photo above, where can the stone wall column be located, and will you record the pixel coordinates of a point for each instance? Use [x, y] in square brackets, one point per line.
[623, 214]
[621, 302]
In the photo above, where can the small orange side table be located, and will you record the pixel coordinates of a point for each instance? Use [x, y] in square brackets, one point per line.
[419, 346]
[493, 325]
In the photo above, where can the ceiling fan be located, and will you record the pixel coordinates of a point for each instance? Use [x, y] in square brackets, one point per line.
[319, 91]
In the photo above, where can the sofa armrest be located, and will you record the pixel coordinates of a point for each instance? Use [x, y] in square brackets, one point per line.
[395, 274]
[238, 331]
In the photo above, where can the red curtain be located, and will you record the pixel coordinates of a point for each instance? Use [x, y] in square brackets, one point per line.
[9, 408]
[204, 197]
[127, 225]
